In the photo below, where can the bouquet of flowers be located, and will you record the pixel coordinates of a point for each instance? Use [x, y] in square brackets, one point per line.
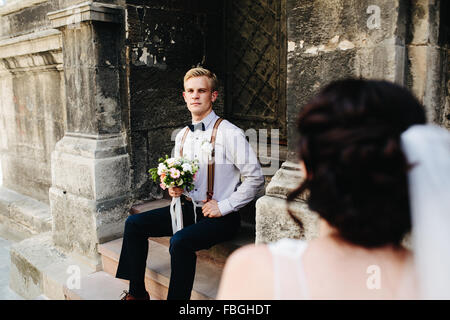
[175, 172]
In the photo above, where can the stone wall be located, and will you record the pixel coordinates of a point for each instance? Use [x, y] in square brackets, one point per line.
[329, 40]
[401, 41]
[427, 54]
[22, 17]
[32, 106]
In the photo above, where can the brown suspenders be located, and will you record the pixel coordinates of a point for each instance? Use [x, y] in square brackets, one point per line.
[182, 141]
[211, 166]
[211, 163]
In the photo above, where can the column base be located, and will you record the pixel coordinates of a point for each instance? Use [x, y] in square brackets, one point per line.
[90, 193]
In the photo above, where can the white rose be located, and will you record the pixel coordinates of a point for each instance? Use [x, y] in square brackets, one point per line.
[186, 167]
[161, 168]
[171, 162]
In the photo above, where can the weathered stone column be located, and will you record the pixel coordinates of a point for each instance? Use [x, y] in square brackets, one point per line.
[428, 58]
[90, 165]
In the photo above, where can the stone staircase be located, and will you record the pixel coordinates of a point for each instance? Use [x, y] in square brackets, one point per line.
[103, 285]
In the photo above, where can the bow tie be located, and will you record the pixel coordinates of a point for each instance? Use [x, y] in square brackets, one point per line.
[199, 126]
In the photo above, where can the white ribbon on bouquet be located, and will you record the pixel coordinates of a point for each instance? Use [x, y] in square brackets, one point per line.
[176, 213]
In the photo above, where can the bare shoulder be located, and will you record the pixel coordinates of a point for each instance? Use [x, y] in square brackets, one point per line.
[247, 274]
[250, 254]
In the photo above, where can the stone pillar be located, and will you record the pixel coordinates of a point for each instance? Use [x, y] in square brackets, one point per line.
[90, 165]
[427, 58]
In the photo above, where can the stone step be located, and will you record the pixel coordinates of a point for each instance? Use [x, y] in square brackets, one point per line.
[97, 286]
[209, 268]
[219, 253]
[24, 214]
[39, 268]
[157, 275]
[149, 205]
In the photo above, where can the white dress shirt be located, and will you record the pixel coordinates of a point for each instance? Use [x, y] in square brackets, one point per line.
[233, 157]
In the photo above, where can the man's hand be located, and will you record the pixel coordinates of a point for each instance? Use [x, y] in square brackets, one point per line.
[175, 192]
[211, 209]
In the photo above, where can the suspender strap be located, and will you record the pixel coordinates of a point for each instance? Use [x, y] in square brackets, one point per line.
[182, 141]
[211, 165]
[210, 191]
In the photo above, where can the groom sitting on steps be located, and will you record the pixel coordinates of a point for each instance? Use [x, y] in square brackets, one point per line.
[217, 216]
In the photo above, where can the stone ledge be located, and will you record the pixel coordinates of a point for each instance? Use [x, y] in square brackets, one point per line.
[37, 49]
[39, 41]
[285, 180]
[97, 286]
[86, 11]
[273, 222]
[39, 268]
[16, 5]
[24, 214]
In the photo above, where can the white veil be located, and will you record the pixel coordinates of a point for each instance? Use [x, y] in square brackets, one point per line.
[427, 148]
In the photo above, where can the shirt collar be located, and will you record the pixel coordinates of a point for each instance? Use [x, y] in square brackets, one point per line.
[209, 119]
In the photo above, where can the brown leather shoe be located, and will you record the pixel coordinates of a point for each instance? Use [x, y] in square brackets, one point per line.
[128, 296]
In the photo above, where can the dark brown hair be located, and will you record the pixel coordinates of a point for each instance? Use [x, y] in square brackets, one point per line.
[356, 170]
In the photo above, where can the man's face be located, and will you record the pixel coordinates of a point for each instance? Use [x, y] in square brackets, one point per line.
[198, 95]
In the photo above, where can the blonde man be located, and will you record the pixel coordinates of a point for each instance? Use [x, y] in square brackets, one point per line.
[207, 220]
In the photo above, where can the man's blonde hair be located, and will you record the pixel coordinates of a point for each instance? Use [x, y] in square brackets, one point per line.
[199, 72]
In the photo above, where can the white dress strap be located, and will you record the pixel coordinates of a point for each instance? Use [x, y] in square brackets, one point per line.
[289, 277]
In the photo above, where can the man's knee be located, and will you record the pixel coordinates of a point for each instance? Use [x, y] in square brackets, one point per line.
[179, 243]
[131, 225]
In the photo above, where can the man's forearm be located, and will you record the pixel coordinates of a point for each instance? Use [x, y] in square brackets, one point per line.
[244, 194]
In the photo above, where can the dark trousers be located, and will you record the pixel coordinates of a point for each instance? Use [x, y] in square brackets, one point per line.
[183, 244]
